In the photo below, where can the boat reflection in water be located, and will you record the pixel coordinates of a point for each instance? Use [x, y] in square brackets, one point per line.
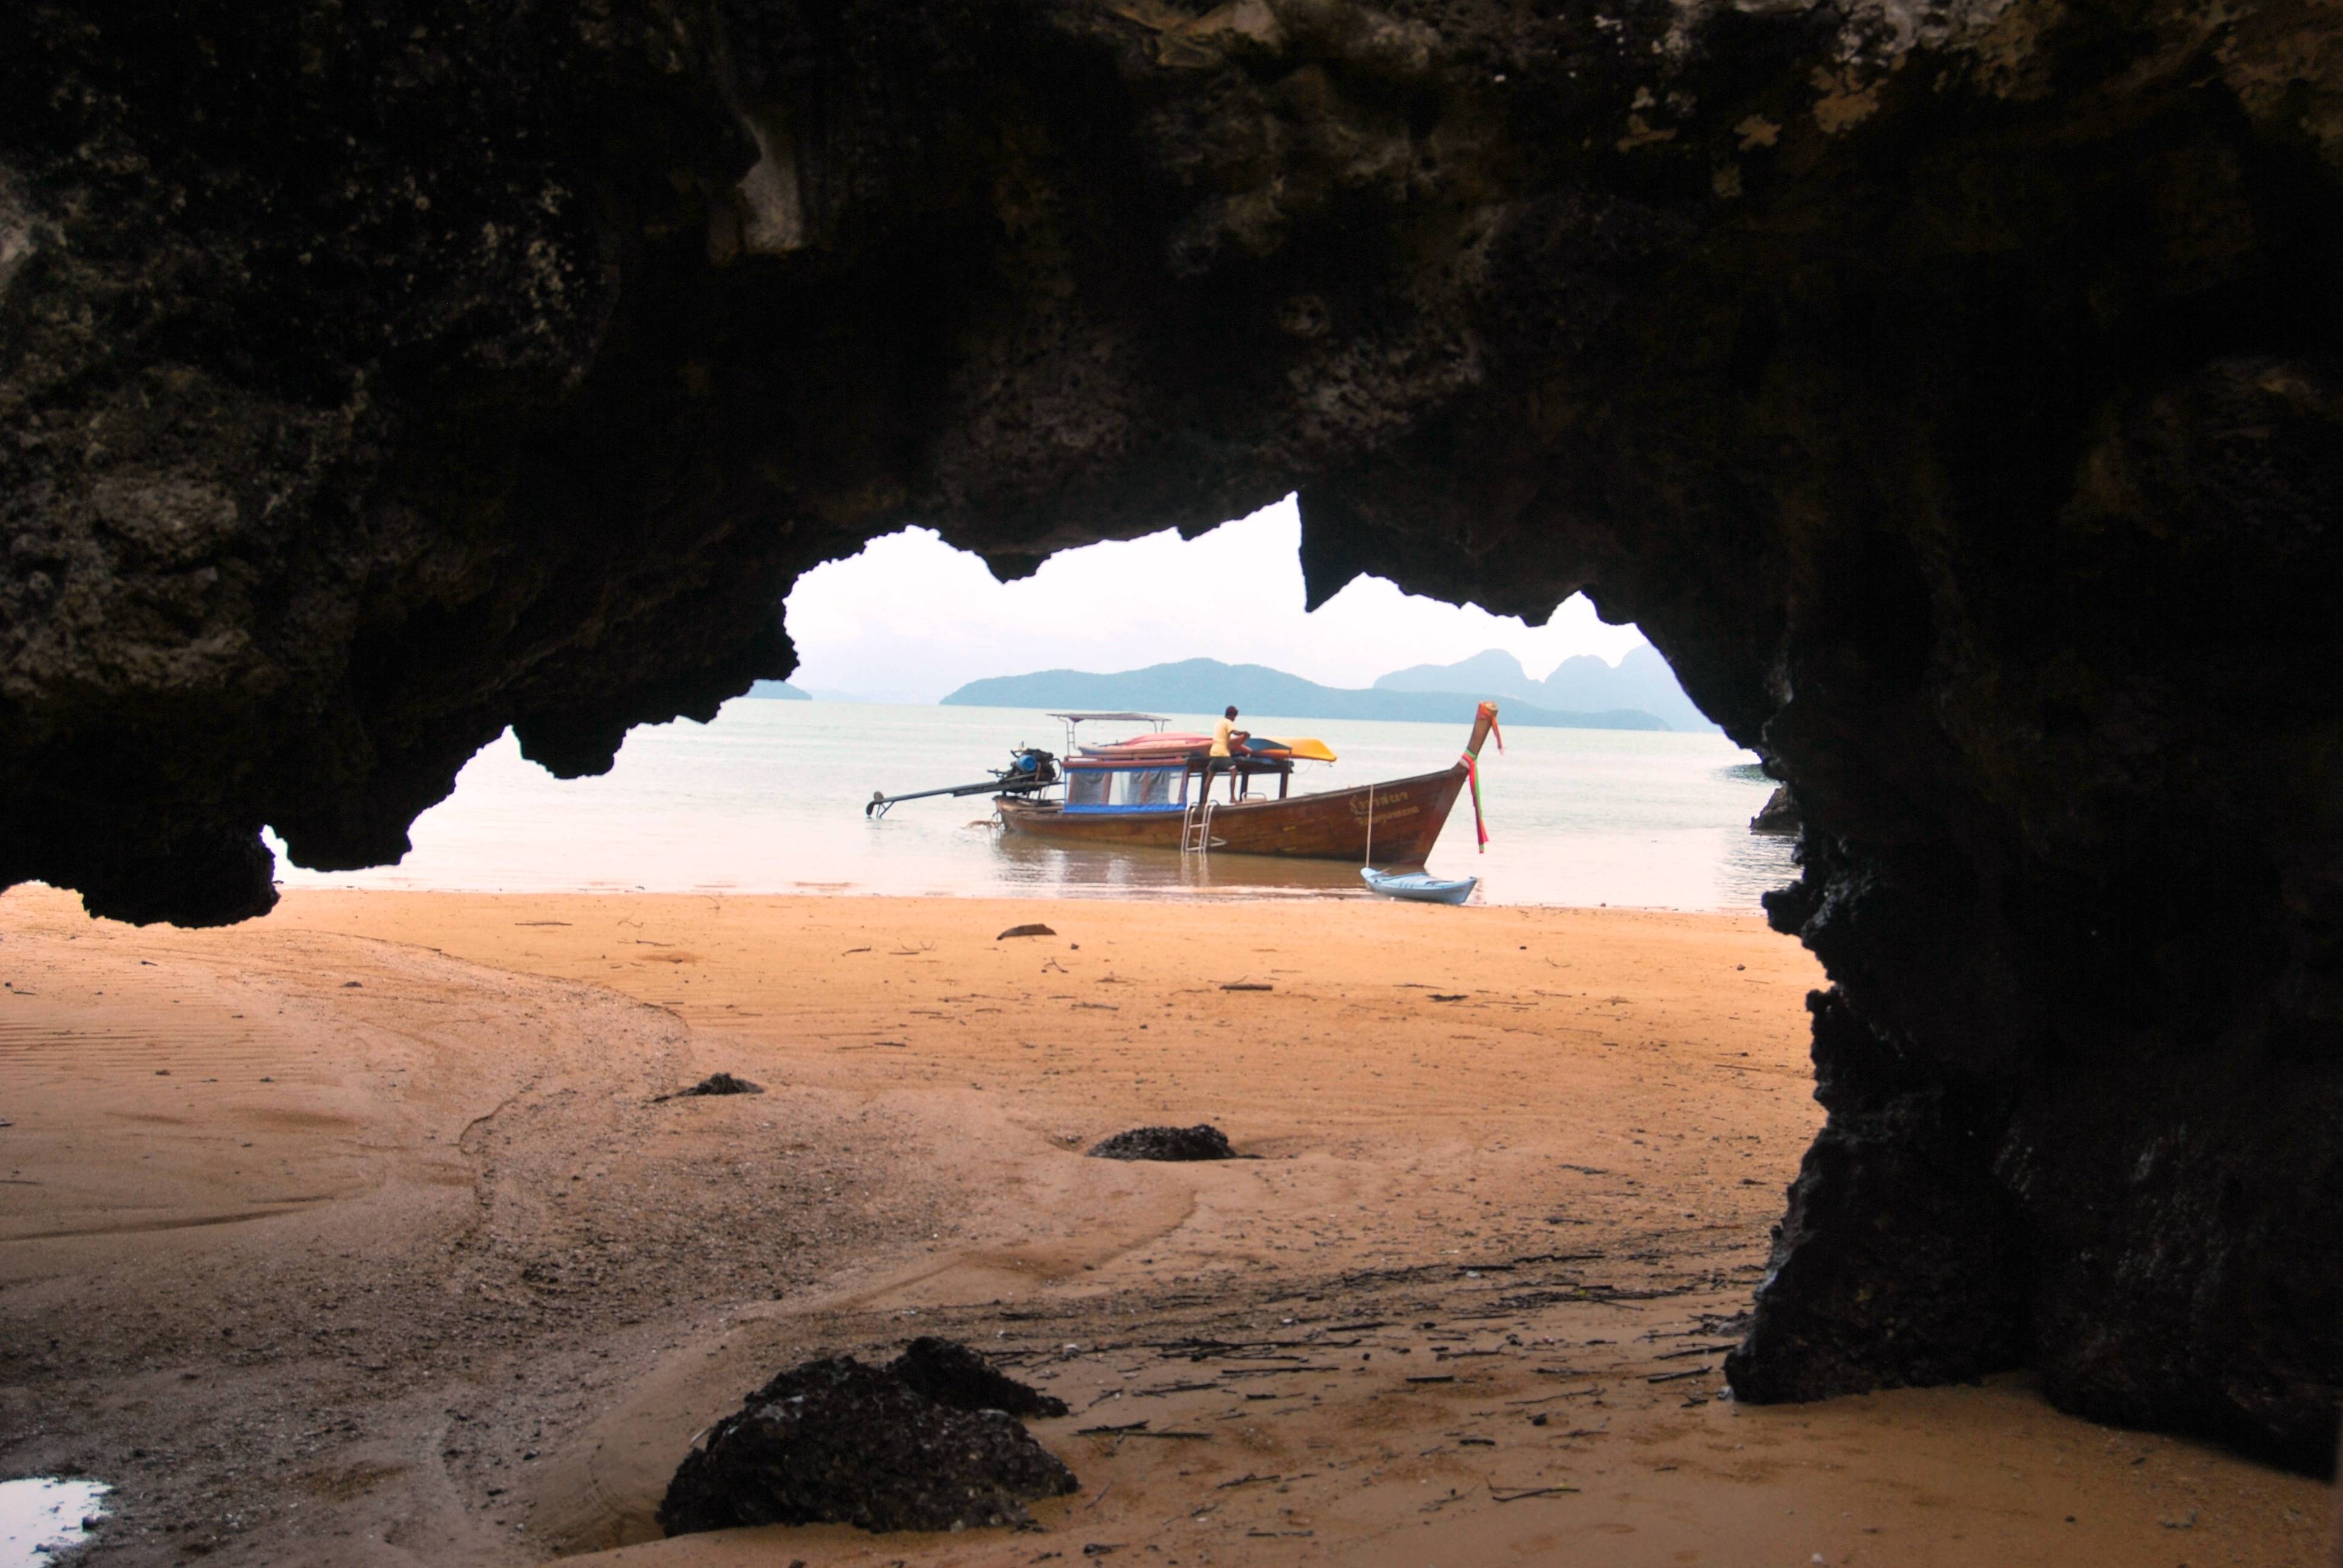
[1029, 862]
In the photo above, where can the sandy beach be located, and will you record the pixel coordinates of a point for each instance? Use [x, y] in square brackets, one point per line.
[360, 1235]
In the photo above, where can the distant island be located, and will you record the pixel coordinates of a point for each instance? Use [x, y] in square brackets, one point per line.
[1641, 679]
[1207, 685]
[779, 691]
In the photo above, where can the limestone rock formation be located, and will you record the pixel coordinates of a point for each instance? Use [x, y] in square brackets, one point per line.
[1953, 389]
[1778, 815]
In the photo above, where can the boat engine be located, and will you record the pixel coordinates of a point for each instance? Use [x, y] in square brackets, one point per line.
[1029, 769]
[1031, 766]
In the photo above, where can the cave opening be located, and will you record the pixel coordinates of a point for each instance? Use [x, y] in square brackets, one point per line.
[921, 667]
[1952, 394]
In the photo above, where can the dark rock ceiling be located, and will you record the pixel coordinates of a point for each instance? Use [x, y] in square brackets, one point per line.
[1952, 391]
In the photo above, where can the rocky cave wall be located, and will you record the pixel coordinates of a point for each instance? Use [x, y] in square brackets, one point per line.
[1952, 391]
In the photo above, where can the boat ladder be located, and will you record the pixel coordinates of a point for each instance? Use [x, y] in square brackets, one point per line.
[1196, 827]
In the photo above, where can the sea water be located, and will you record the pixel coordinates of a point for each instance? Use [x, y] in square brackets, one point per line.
[770, 796]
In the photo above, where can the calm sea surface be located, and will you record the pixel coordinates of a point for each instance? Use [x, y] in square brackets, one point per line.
[768, 799]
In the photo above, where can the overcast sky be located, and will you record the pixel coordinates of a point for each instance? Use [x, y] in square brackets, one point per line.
[910, 618]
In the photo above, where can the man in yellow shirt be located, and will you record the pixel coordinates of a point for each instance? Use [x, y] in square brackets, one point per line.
[1225, 731]
[1225, 738]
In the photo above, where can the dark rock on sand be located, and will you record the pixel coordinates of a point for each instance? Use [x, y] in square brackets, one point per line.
[1204, 1141]
[952, 1374]
[717, 1084]
[838, 1441]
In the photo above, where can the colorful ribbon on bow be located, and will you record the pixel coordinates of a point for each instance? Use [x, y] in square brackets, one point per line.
[1473, 777]
[1472, 780]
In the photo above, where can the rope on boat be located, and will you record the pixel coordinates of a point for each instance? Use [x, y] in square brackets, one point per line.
[1370, 856]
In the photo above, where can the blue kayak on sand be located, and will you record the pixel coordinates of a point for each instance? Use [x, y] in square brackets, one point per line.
[1419, 886]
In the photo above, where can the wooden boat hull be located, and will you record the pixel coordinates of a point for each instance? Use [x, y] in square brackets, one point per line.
[1394, 823]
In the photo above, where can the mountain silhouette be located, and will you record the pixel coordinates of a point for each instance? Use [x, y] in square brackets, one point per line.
[1583, 683]
[1206, 686]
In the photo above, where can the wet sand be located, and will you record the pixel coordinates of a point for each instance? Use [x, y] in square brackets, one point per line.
[357, 1235]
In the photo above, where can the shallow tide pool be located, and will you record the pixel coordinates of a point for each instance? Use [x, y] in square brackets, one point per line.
[41, 1516]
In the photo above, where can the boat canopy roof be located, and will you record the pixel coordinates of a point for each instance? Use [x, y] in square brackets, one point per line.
[1131, 718]
[1175, 741]
[1146, 748]
[1132, 762]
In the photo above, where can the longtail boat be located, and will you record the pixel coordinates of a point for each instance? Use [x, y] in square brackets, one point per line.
[1157, 791]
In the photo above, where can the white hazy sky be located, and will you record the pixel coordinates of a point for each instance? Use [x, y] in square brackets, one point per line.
[910, 618]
